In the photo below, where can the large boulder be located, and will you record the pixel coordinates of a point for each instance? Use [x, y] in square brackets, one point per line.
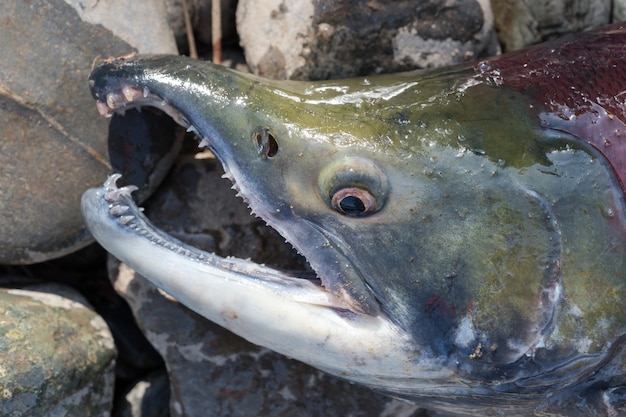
[54, 145]
[57, 355]
[313, 39]
[523, 23]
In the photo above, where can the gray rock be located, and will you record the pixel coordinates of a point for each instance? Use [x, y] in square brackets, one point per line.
[148, 397]
[520, 24]
[54, 143]
[212, 371]
[316, 39]
[618, 12]
[145, 28]
[198, 206]
[56, 355]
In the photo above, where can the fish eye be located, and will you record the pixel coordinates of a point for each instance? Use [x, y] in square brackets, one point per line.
[353, 186]
[354, 202]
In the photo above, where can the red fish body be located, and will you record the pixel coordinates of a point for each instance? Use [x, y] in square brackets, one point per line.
[578, 85]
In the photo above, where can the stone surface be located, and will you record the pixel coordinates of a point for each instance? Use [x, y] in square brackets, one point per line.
[321, 39]
[198, 206]
[148, 397]
[520, 24]
[145, 28]
[618, 12]
[137, 361]
[212, 371]
[56, 355]
[53, 144]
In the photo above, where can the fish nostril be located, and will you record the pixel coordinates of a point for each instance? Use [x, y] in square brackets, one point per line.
[267, 146]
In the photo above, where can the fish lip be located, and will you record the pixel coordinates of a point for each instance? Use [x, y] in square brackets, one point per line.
[126, 95]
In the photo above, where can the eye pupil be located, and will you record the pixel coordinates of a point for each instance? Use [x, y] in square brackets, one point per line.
[354, 202]
[352, 205]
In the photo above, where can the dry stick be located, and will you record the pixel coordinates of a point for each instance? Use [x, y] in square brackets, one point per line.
[193, 52]
[216, 30]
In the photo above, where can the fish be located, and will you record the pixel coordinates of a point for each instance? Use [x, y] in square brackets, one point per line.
[466, 225]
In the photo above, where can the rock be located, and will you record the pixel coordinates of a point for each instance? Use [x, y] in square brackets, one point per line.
[142, 146]
[56, 355]
[136, 356]
[212, 371]
[85, 271]
[336, 39]
[54, 143]
[520, 24]
[618, 13]
[145, 28]
[148, 397]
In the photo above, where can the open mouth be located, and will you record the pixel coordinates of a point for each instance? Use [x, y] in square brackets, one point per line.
[304, 288]
[120, 85]
[128, 215]
[290, 313]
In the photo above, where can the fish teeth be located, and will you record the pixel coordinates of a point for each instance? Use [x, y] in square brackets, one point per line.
[111, 181]
[118, 210]
[104, 109]
[126, 219]
[115, 99]
[131, 93]
[114, 196]
[204, 143]
[113, 193]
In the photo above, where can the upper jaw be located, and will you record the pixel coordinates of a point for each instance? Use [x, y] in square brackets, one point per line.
[127, 89]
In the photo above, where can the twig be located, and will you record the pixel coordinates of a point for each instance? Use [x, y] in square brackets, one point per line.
[216, 30]
[193, 52]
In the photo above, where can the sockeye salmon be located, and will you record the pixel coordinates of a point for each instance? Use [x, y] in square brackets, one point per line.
[466, 224]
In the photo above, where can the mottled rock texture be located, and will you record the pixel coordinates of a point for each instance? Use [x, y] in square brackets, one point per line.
[321, 39]
[56, 355]
[148, 397]
[523, 23]
[145, 28]
[618, 12]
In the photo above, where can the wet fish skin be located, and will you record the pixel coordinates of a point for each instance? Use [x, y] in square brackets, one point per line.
[492, 226]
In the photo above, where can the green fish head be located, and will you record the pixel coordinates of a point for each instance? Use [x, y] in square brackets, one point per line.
[437, 203]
